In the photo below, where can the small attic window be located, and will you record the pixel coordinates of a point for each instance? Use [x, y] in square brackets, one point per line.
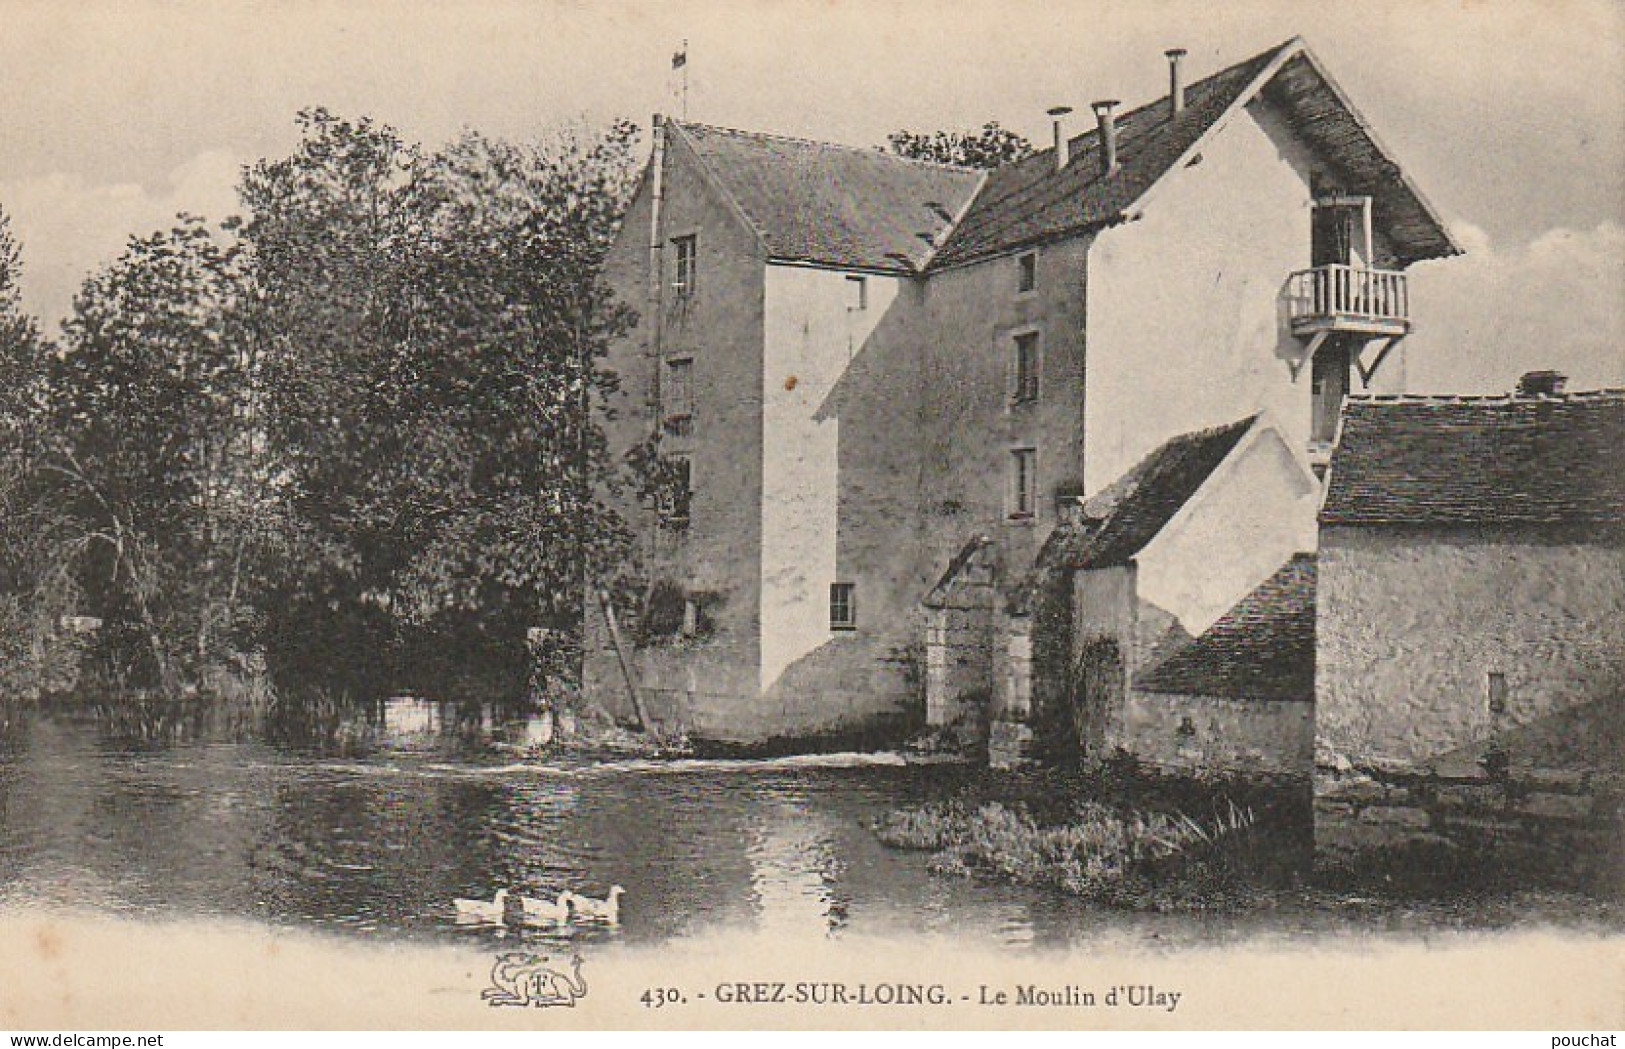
[1027, 272]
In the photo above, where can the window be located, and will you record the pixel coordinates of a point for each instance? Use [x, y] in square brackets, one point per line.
[676, 493]
[1497, 687]
[687, 266]
[1023, 481]
[679, 397]
[1027, 274]
[1024, 368]
[857, 293]
[843, 611]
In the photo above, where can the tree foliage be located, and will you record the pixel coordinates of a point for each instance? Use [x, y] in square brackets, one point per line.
[436, 323]
[37, 585]
[146, 443]
[368, 400]
[988, 148]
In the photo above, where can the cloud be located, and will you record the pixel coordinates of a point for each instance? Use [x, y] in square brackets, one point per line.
[69, 226]
[1492, 314]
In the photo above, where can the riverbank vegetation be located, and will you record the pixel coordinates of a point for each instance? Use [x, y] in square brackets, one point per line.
[343, 440]
[1125, 836]
[1174, 847]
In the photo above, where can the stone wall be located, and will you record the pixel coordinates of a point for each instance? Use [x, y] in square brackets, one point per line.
[1011, 739]
[703, 683]
[958, 664]
[1561, 821]
[1212, 734]
[1412, 622]
[966, 424]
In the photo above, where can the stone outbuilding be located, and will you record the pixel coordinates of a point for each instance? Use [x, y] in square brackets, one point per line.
[1241, 697]
[1471, 593]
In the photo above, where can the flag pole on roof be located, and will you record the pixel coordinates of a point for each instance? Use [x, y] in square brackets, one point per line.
[679, 60]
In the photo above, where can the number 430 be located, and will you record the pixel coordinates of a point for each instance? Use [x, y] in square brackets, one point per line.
[658, 997]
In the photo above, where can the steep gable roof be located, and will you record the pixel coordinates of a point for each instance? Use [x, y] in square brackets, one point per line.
[1125, 516]
[1263, 648]
[1029, 202]
[1479, 460]
[832, 205]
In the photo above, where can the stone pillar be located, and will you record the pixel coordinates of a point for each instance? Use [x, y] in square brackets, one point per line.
[1010, 735]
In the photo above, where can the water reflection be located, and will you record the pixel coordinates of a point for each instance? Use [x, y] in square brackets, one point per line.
[794, 867]
[384, 843]
[381, 844]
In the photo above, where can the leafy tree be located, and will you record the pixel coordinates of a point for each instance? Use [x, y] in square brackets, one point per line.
[361, 415]
[21, 346]
[145, 442]
[988, 148]
[37, 539]
[432, 326]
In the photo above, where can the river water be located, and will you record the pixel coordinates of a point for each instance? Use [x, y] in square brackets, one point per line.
[381, 846]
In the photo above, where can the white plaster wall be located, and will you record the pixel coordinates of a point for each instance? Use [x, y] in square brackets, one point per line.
[809, 335]
[1410, 623]
[1184, 325]
[1255, 512]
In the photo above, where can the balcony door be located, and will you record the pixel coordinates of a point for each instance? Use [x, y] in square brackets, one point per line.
[1340, 232]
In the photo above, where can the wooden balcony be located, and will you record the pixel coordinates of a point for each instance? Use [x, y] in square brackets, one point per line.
[1348, 298]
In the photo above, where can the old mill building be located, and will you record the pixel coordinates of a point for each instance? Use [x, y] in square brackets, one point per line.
[931, 433]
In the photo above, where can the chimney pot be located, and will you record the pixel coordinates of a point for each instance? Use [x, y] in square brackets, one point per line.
[1108, 134]
[1542, 384]
[1063, 146]
[1176, 81]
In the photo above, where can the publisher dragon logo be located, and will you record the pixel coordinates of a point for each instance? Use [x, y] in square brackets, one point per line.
[521, 979]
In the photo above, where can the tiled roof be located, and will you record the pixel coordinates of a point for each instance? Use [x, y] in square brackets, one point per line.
[836, 205]
[1122, 518]
[1488, 460]
[1263, 648]
[864, 208]
[1030, 202]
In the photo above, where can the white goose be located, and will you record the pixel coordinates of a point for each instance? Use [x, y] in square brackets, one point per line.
[606, 910]
[542, 912]
[482, 912]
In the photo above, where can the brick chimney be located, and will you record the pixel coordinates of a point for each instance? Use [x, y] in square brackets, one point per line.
[1176, 81]
[1108, 134]
[1063, 154]
[1541, 384]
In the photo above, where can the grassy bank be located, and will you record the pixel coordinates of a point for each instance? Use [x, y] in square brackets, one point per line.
[1125, 841]
[1125, 838]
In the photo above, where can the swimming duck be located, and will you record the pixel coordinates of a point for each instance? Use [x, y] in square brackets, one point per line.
[606, 910]
[542, 912]
[492, 912]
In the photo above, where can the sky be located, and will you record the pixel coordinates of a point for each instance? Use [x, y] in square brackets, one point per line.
[1508, 114]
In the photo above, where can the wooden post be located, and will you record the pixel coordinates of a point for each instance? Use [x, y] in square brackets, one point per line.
[626, 663]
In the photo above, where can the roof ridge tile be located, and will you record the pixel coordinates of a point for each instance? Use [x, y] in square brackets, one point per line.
[867, 151]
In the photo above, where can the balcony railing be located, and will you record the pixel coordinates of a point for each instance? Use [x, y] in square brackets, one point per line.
[1348, 298]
